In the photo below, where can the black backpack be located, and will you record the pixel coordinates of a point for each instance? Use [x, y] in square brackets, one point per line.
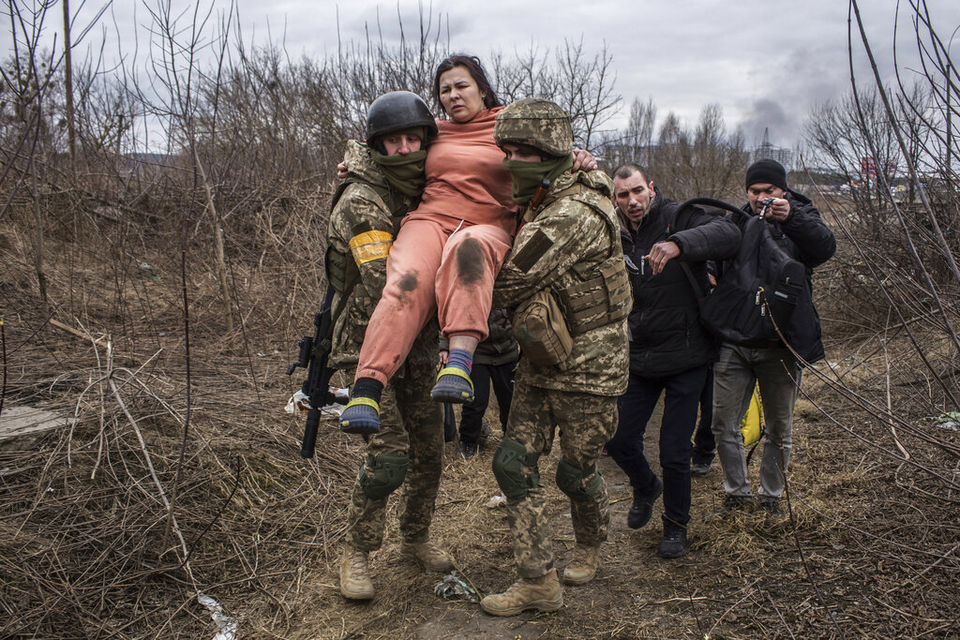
[758, 290]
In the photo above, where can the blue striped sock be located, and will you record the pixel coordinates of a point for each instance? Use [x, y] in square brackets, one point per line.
[461, 359]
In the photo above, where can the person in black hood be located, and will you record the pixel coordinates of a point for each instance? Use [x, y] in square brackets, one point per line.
[669, 349]
[796, 226]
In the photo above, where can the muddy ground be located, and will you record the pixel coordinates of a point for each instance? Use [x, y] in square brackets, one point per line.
[817, 572]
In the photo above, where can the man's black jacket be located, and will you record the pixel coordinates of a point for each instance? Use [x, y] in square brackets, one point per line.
[666, 336]
[804, 237]
[500, 346]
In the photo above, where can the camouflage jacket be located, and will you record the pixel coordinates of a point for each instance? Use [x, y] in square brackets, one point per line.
[363, 223]
[571, 245]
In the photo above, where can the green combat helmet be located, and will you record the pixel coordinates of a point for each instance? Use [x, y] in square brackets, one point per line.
[537, 123]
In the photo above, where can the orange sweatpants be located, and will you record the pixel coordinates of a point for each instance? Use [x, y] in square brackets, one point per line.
[437, 263]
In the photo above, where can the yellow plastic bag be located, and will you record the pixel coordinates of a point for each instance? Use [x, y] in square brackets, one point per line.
[751, 427]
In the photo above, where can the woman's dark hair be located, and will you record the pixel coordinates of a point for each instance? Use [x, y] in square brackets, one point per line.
[473, 66]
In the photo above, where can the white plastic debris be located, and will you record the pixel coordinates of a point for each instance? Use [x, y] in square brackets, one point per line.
[300, 403]
[227, 625]
[454, 587]
[495, 501]
[949, 420]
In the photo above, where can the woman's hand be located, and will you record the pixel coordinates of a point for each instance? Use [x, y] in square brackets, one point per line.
[583, 160]
[342, 171]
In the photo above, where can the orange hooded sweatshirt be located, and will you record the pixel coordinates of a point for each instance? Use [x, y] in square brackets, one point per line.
[465, 175]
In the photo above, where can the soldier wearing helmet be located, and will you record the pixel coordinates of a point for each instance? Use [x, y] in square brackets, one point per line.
[567, 260]
[386, 177]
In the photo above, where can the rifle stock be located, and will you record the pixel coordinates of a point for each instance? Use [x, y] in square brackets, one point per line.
[540, 194]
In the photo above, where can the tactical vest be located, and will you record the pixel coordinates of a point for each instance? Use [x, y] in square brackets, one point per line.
[602, 296]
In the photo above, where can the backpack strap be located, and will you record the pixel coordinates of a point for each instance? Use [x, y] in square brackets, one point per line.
[693, 281]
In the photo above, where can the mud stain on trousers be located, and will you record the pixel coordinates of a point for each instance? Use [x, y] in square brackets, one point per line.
[470, 262]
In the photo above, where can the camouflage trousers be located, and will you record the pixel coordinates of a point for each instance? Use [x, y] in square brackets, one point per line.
[411, 423]
[586, 422]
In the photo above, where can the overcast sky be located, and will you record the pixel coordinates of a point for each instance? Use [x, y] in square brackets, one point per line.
[766, 62]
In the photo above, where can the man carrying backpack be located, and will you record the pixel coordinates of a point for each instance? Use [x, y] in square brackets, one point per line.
[670, 350]
[796, 227]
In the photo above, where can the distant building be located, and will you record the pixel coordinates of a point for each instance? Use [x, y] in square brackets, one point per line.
[767, 150]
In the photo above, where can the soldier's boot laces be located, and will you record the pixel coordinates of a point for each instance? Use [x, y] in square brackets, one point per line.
[430, 556]
[583, 566]
[543, 594]
[355, 581]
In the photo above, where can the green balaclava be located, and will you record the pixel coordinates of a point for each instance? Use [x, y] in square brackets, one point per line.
[527, 176]
[404, 173]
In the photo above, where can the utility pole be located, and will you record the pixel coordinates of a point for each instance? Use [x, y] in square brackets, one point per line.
[68, 82]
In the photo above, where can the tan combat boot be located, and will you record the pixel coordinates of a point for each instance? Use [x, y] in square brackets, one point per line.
[583, 566]
[543, 594]
[430, 556]
[354, 577]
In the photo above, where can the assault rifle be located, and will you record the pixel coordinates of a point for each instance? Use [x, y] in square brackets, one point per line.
[313, 357]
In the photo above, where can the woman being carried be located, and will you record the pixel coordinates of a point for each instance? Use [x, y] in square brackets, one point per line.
[448, 251]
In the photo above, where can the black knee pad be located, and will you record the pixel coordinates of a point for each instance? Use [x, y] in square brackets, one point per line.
[508, 464]
[570, 481]
[388, 472]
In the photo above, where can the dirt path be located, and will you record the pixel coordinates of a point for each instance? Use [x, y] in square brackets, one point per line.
[819, 574]
[635, 594]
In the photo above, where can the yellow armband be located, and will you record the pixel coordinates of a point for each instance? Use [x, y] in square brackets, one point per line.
[371, 245]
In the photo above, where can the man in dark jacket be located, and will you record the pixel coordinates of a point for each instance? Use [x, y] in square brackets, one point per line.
[796, 226]
[669, 348]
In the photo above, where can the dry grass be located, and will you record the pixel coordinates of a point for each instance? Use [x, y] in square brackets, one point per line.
[87, 549]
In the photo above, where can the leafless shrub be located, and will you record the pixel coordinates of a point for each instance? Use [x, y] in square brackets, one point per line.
[892, 294]
[892, 145]
[707, 161]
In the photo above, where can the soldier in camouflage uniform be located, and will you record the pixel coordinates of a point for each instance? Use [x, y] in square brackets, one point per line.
[568, 245]
[385, 181]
